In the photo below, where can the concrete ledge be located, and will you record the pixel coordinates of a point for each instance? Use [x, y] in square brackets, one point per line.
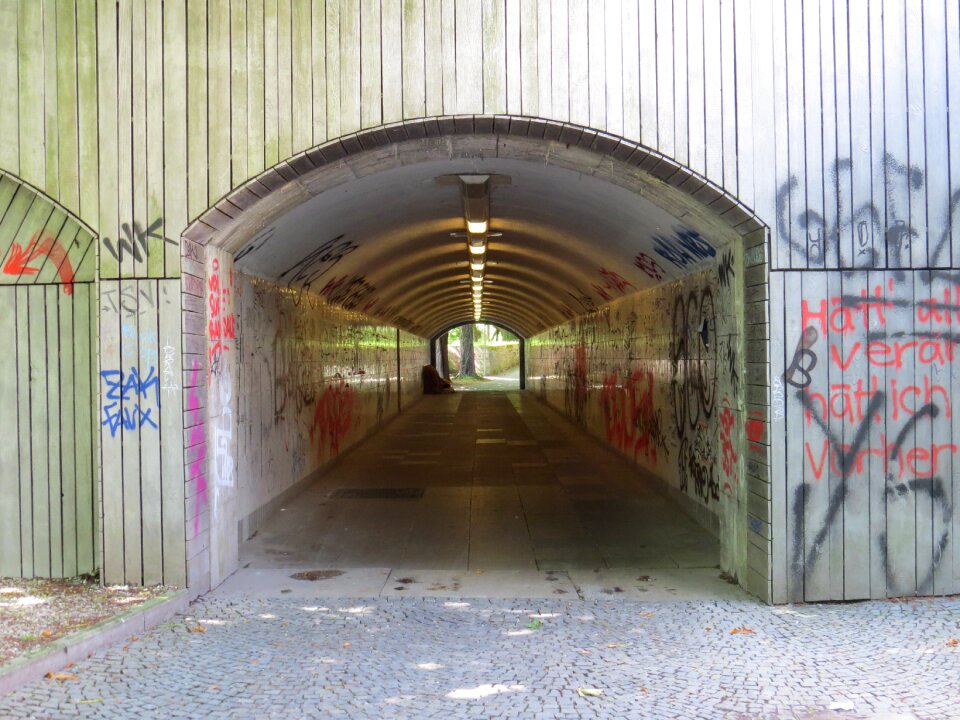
[33, 665]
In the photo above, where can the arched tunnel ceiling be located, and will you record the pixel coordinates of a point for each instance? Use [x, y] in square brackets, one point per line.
[372, 233]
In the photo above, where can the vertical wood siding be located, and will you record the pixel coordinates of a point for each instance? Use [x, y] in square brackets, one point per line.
[48, 503]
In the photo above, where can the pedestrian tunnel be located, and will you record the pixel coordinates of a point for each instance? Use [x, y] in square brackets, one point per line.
[314, 292]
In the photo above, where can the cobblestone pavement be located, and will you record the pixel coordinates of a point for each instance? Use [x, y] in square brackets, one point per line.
[241, 657]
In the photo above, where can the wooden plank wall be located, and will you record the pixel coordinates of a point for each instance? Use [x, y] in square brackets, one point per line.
[48, 502]
[828, 119]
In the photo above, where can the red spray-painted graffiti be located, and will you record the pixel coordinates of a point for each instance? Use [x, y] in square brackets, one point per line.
[20, 258]
[333, 416]
[196, 470]
[632, 423]
[728, 452]
[222, 325]
[612, 282]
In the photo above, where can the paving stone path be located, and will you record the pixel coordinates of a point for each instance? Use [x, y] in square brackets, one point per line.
[244, 657]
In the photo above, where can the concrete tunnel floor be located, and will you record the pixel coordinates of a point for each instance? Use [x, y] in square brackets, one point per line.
[482, 494]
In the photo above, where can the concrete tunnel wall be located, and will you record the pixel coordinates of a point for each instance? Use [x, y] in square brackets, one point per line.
[829, 121]
[294, 381]
[659, 376]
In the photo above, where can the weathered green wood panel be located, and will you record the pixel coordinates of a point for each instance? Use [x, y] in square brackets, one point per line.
[198, 198]
[133, 408]
[150, 470]
[319, 70]
[271, 98]
[37, 388]
[174, 132]
[256, 87]
[85, 414]
[24, 444]
[302, 97]
[284, 81]
[108, 123]
[128, 138]
[414, 57]
[9, 455]
[65, 116]
[218, 99]
[54, 427]
[87, 120]
[111, 453]
[350, 53]
[239, 90]
[153, 216]
[9, 87]
[171, 433]
[391, 59]
[51, 134]
[370, 76]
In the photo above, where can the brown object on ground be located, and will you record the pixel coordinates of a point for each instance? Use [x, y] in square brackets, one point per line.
[34, 613]
[433, 384]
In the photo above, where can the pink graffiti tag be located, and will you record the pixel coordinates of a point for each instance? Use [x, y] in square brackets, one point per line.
[196, 471]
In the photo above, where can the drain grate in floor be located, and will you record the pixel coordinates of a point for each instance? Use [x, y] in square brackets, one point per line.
[407, 493]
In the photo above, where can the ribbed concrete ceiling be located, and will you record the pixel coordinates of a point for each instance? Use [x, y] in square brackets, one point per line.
[373, 233]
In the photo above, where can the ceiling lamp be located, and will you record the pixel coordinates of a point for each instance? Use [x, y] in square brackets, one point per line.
[477, 263]
[477, 244]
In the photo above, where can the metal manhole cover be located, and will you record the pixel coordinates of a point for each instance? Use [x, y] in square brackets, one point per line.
[410, 493]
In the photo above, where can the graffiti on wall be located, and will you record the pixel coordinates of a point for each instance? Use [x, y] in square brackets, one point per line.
[129, 300]
[223, 461]
[316, 263]
[221, 327]
[885, 349]
[333, 416]
[21, 260]
[684, 248]
[693, 358]
[632, 423]
[882, 233]
[131, 399]
[133, 240]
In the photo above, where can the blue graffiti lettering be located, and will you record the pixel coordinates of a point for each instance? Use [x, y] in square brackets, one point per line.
[685, 248]
[132, 406]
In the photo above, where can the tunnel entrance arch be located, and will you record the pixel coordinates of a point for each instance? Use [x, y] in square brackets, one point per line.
[522, 382]
[567, 289]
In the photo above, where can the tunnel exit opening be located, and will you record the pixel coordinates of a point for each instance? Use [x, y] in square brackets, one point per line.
[629, 281]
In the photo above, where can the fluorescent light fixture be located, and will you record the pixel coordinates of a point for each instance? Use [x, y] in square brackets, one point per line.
[477, 263]
[478, 227]
[478, 246]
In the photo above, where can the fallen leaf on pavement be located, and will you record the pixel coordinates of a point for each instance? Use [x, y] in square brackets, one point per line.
[616, 645]
[646, 614]
[346, 644]
[61, 676]
[589, 692]
[198, 629]
[953, 642]
[46, 633]
[536, 624]
[742, 630]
